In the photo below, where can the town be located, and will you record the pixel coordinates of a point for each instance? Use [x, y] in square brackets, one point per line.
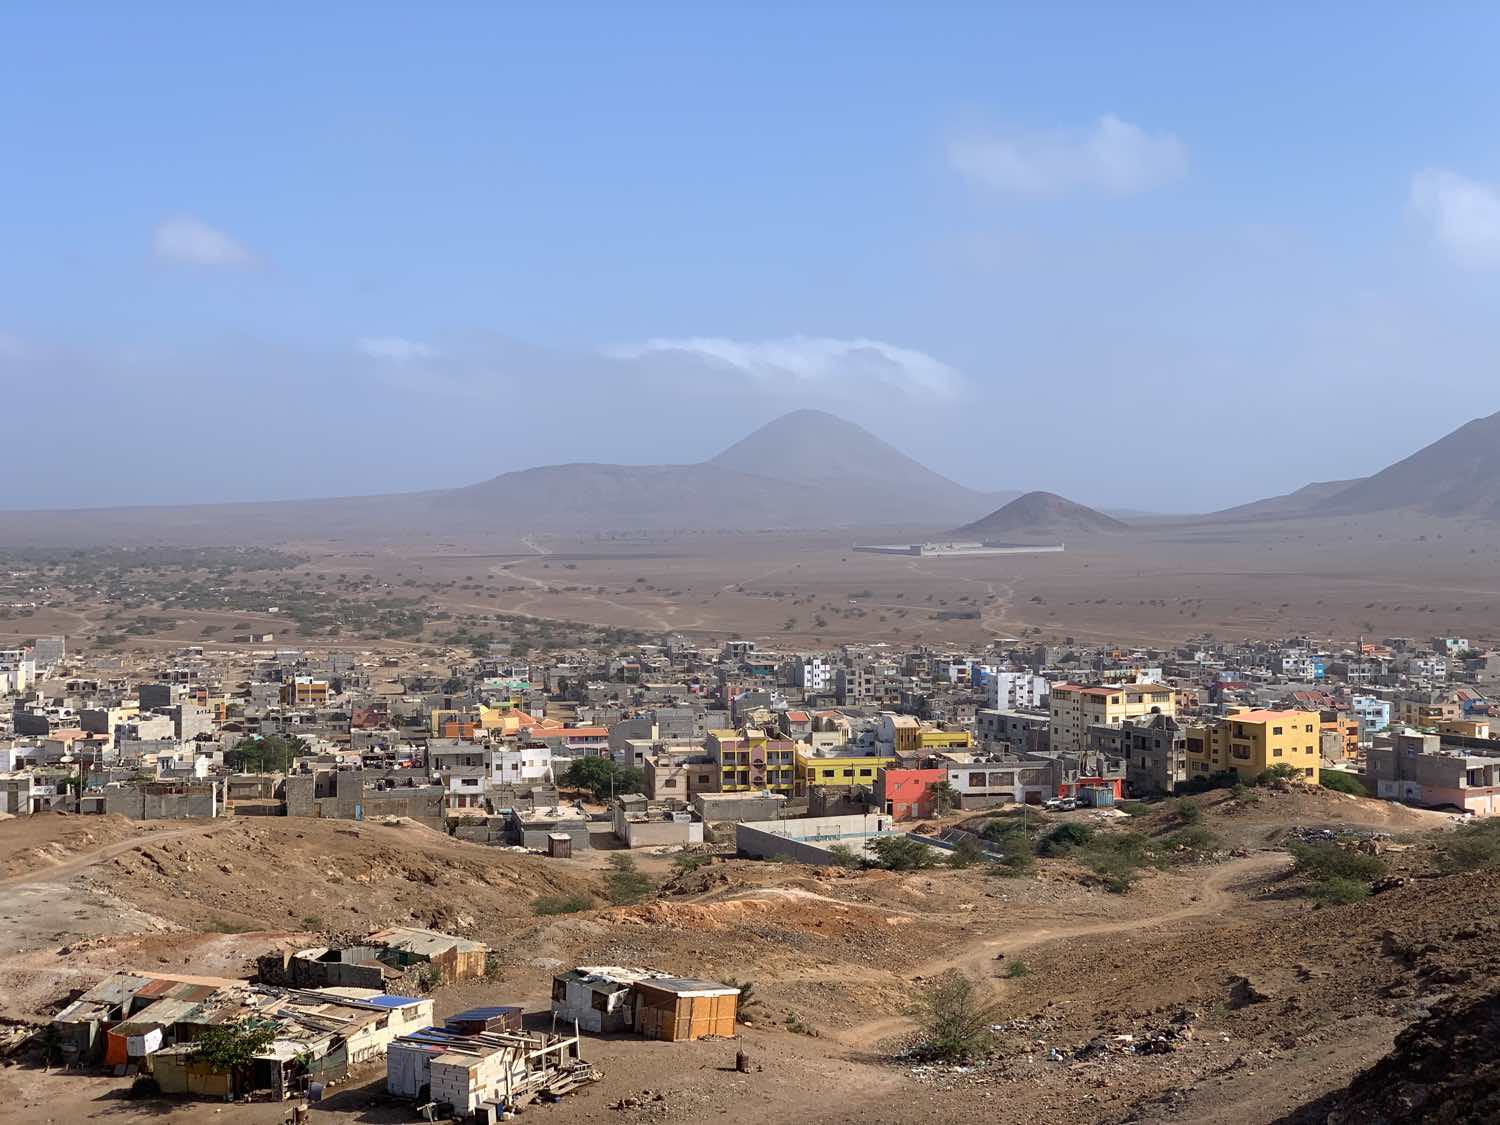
[631, 772]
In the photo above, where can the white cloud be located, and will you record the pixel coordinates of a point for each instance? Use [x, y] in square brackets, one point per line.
[798, 363]
[1464, 214]
[1113, 156]
[396, 349]
[189, 241]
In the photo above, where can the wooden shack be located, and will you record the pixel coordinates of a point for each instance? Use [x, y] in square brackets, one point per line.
[675, 1008]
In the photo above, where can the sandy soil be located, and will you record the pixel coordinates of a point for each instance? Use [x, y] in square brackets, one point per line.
[835, 957]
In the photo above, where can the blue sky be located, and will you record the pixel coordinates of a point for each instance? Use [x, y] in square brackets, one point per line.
[400, 246]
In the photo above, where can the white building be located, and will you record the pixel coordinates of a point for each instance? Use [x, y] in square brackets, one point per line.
[521, 765]
[1018, 691]
[815, 675]
[17, 670]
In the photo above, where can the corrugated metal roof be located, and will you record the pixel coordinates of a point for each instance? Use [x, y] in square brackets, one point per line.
[385, 1000]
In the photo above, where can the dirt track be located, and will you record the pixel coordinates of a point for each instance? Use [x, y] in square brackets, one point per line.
[979, 961]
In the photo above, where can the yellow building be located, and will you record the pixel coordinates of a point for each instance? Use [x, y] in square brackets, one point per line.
[304, 691]
[1076, 707]
[741, 758]
[1251, 742]
[934, 739]
[830, 771]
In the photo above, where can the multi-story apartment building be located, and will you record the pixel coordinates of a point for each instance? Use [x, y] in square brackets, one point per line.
[1011, 691]
[1011, 731]
[1076, 707]
[1371, 713]
[1155, 755]
[751, 760]
[305, 691]
[1251, 742]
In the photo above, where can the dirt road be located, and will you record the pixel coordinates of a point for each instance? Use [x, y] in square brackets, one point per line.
[85, 860]
[978, 959]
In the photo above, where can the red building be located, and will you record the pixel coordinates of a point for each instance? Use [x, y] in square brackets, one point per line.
[903, 794]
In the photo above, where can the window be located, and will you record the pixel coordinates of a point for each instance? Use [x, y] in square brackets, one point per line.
[669, 783]
[866, 773]
[1276, 753]
[1275, 730]
[849, 773]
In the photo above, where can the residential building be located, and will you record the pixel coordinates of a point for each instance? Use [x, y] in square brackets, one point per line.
[1011, 691]
[1155, 755]
[835, 769]
[1371, 713]
[305, 691]
[1417, 769]
[907, 794]
[1251, 742]
[741, 758]
[1076, 707]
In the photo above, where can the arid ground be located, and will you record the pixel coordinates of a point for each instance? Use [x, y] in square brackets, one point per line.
[1264, 1001]
[1153, 585]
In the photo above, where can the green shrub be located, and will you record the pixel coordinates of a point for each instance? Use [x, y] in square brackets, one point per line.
[1016, 861]
[1341, 782]
[1116, 859]
[1014, 969]
[1279, 772]
[902, 853]
[1221, 780]
[843, 855]
[954, 1019]
[1338, 891]
[1329, 861]
[966, 852]
[1186, 844]
[624, 883]
[1187, 812]
[561, 904]
[1064, 839]
[1472, 847]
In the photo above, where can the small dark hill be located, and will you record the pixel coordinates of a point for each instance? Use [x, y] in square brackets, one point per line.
[1039, 513]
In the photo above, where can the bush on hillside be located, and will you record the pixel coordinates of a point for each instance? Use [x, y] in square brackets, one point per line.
[954, 1019]
[1064, 839]
[1473, 847]
[1224, 779]
[1341, 782]
[902, 853]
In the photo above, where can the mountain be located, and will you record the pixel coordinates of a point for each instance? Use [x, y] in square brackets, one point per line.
[1458, 475]
[1038, 513]
[807, 469]
[1304, 500]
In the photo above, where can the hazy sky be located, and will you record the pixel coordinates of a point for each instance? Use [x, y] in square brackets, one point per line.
[1163, 257]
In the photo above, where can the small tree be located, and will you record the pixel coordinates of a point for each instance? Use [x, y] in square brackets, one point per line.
[842, 855]
[625, 882]
[966, 852]
[902, 853]
[230, 1048]
[943, 798]
[954, 1019]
